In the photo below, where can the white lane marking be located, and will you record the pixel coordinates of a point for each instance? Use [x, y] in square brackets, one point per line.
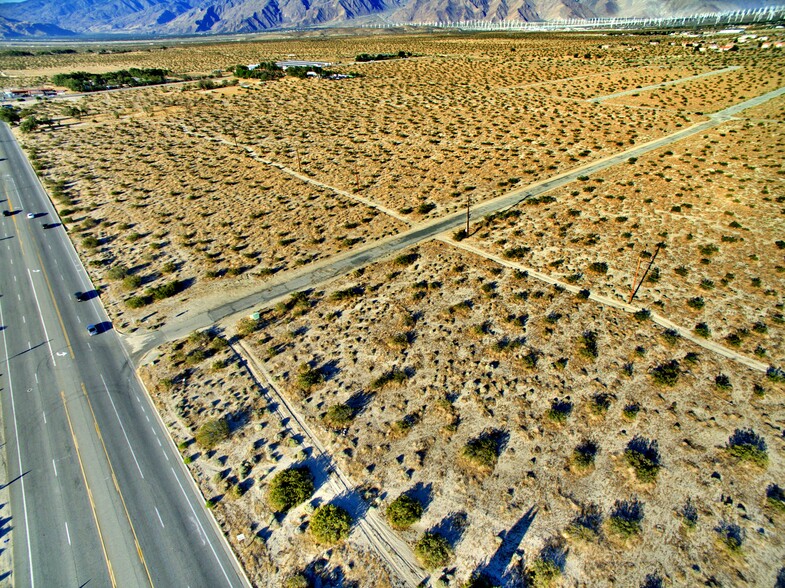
[48, 340]
[29, 346]
[18, 448]
[62, 278]
[90, 347]
[54, 467]
[198, 522]
[36, 377]
[147, 417]
[67, 534]
[166, 456]
[78, 319]
[19, 297]
[117, 414]
[160, 520]
[43, 413]
[24, 320]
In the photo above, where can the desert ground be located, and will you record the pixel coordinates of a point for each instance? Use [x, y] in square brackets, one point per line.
[546, 434]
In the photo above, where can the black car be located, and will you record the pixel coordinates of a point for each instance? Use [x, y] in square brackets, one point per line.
[79, 296]
[6, 213]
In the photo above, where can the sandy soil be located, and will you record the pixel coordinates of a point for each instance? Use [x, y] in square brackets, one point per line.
[469, 347]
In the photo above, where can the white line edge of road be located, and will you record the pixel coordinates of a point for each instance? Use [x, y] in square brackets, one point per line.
[18, 450]
[41, 316]
[117, 414]
[69, 246]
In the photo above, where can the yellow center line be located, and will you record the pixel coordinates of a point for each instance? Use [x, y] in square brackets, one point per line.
[57, 308]
[117, 487]
[13, 218]
[89, 493]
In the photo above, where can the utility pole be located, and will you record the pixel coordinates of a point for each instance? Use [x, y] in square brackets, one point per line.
[468, 211]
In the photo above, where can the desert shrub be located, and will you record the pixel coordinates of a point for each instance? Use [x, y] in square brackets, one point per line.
[478, 580]
[775, 497]
[404, 511]
[666, 374]
[747, 445]
[542, 573]
[425, 207]
[599, 267]
[775, 374]
[117, 272]
[731, 535]
[137, 301]
[90, 242]
[722, 382]
[584, 453]
[584, 294]
[559, 410]
[689, 514]
[289, 488]
[248, 326]
[643, 455]
[697, 302]
[589, 345]
[166, 290]
[703, 330]
[483, 451]
[330, 523]
[671, 336]
[630, 412]
[643, 314]
[626, 517]
[339, 416]
[600, 403]
[406, 259]
[308, 377]
[212, 433]
[433, 551]
[587, 526]
[132, 282]
[296, 581]
[347, 293]
[652, 581]
[393, 376]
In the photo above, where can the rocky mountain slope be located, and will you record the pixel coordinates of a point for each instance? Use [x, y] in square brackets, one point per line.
[59, 17]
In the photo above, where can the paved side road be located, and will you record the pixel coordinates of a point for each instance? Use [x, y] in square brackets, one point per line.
[99, 493]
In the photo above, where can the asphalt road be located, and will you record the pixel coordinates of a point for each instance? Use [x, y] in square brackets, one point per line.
[99, 493]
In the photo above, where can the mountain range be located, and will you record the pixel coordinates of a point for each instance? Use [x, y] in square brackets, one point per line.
[173, 17]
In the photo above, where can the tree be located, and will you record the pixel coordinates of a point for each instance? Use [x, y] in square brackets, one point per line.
[404, 511]
[29, 124]
[289, 488]
[9, 115]
[433, 551]
[330, 523]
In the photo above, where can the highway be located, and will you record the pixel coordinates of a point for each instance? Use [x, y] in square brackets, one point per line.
[99, 493]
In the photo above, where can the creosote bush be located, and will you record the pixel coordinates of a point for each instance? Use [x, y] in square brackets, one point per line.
[666, 374]
[433, 551]
[626, 517]
[747, 445]
[731, 535]
[483, 451]
[212, 433]
[644, 457]
[290, 487]
[584, 453]
[308, 377]
[404, 511]
[339, 416]
[330, 524]
[775, 497]
[587, 526]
